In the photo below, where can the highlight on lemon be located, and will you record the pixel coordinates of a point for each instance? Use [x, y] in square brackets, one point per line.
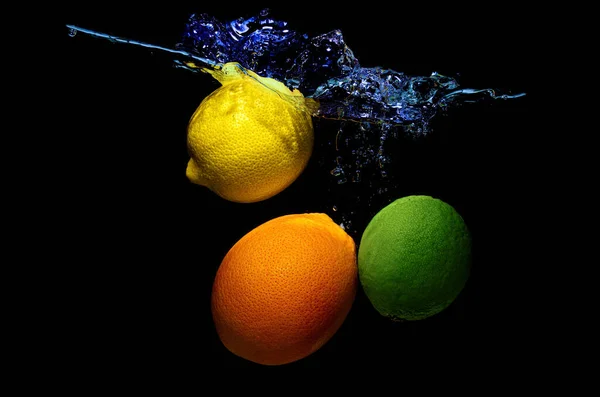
[285, 288]
[251, 138]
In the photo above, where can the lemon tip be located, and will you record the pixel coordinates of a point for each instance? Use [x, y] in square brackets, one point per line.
[193, 173]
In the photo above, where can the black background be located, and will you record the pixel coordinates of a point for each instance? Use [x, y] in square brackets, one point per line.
[146, 243]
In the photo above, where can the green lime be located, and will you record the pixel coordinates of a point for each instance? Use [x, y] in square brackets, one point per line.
[414, 258]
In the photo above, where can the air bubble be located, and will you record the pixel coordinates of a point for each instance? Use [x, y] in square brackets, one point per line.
[337, 171]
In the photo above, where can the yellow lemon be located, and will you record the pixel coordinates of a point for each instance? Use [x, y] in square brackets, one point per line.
[250, 138]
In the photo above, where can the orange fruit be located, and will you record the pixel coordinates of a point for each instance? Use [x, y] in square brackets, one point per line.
[285, 288]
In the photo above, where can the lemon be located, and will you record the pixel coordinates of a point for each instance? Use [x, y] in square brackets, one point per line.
[251, 138]
[414, 258]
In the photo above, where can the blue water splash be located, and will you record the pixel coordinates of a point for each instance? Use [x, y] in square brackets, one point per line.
[373, 105]
[322, 67]
[325, 68]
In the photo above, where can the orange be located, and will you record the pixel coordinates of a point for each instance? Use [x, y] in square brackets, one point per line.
[285, 288]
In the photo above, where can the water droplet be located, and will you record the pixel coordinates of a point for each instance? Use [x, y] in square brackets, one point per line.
[72, 32]
[334, 208]
[347, 225]
[264, 12]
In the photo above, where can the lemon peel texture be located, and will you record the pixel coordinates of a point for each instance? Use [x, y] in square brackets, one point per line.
[250, 138]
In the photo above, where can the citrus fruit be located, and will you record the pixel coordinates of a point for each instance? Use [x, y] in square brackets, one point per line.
[250, 138]
[414, 258]
[284, 289]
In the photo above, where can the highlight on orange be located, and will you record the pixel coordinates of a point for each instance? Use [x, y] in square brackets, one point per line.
[285, 288]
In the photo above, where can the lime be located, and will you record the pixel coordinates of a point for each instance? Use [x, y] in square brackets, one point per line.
[414, 258]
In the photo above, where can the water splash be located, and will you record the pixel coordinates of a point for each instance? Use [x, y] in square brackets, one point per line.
[322, 67]
[325, 68]
[371, 105]
[191, 63]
